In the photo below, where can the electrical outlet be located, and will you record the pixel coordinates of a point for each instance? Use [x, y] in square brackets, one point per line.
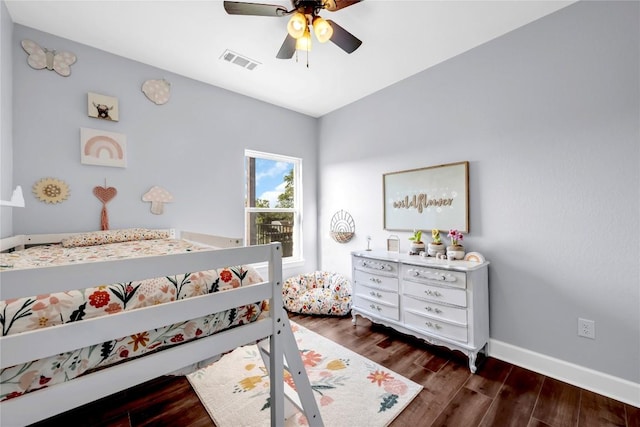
[586, 328]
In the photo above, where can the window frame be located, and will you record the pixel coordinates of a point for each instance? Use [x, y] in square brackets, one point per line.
[297, 255]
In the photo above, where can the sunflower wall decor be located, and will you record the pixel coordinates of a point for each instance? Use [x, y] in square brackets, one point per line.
[51, 190]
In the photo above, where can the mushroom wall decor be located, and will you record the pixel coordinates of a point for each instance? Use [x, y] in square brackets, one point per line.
[158, 196]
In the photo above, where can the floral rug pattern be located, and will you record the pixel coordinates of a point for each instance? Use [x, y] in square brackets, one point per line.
[349, 389]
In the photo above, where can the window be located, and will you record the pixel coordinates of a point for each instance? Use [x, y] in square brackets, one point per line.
[273, 202]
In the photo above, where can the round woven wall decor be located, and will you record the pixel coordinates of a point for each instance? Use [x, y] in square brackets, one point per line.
[342, 227]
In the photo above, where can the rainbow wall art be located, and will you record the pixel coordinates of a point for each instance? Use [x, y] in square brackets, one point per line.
[102, 148]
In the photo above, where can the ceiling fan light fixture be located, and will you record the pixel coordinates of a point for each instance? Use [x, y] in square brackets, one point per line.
[322, 29]
[304, 42]
[297, 25]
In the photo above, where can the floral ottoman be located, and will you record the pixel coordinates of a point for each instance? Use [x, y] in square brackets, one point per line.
[319, 292]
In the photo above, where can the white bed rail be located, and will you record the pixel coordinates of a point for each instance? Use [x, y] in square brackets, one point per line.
[31, 345]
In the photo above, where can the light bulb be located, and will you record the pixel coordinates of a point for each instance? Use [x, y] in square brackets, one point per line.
[322, 29]
[297, 25]
[304, 42]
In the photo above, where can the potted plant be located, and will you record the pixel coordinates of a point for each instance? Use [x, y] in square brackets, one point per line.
[417, 244]
[455, 250]
[436, 246]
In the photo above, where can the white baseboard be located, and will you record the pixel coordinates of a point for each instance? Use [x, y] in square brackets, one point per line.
[588, 379]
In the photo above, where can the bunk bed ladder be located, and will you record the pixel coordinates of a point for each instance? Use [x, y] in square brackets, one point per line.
[302, 398]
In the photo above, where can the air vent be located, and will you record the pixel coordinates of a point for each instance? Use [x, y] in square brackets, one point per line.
[241, 60]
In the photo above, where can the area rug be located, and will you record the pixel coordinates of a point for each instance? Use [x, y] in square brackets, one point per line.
[351, 390]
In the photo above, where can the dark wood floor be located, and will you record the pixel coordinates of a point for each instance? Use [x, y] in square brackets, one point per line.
[499, 394]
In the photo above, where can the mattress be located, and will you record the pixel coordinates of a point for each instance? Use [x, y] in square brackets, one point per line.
[40, 311]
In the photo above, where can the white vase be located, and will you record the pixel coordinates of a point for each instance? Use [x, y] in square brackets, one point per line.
[416, 248]
[433, 249]
[455, 252]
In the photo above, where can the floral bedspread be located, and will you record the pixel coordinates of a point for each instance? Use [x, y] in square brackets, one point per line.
[24, 314]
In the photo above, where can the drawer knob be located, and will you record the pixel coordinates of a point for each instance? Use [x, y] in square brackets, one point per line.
[433, 293]
[375, 279]
[433, 325]
[429, 275]
[375, 307]
[375, 294]
[431, 309]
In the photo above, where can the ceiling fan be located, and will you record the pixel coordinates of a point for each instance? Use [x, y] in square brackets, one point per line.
[304, 15]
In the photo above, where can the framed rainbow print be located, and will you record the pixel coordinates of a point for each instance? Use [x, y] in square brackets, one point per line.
[102, 148]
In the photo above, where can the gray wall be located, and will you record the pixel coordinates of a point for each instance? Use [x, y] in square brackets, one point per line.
[548, 117]
[6, 99]
[193, 146]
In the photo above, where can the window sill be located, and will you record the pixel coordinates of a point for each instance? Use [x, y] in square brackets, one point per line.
[261, 267]
[286, 263]
[293, 263]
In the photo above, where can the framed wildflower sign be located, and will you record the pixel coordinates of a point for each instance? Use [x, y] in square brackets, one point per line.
[435, 197]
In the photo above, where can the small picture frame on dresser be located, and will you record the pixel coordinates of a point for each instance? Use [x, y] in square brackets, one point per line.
[393, 243]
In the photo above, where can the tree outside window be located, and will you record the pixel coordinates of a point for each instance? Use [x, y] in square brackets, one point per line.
[272, 201]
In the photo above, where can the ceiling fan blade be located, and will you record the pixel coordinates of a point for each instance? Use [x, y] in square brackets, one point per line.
[287, 49]
[333, 5]
[258, 9]
[343, 38]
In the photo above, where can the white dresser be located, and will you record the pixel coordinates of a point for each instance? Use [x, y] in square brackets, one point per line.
[442, 302]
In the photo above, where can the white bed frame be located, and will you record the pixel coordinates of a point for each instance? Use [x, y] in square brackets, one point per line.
[31, 345]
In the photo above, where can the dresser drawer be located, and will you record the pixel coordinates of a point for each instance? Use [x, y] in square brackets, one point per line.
[376, 281]
[436, 311]
[376, 307]
[375, 266]
[454, 279]
[384, 296]
[435, 293]
[436, 327]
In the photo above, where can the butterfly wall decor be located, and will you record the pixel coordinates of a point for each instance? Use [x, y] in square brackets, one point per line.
[40, 58]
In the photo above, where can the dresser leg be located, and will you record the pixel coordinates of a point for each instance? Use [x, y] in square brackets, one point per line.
[353, 319]
[472, 362]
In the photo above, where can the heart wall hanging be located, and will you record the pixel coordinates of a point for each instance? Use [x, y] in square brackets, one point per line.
[104, 194]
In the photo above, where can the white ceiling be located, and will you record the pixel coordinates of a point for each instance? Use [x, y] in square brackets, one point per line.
[400, 38]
